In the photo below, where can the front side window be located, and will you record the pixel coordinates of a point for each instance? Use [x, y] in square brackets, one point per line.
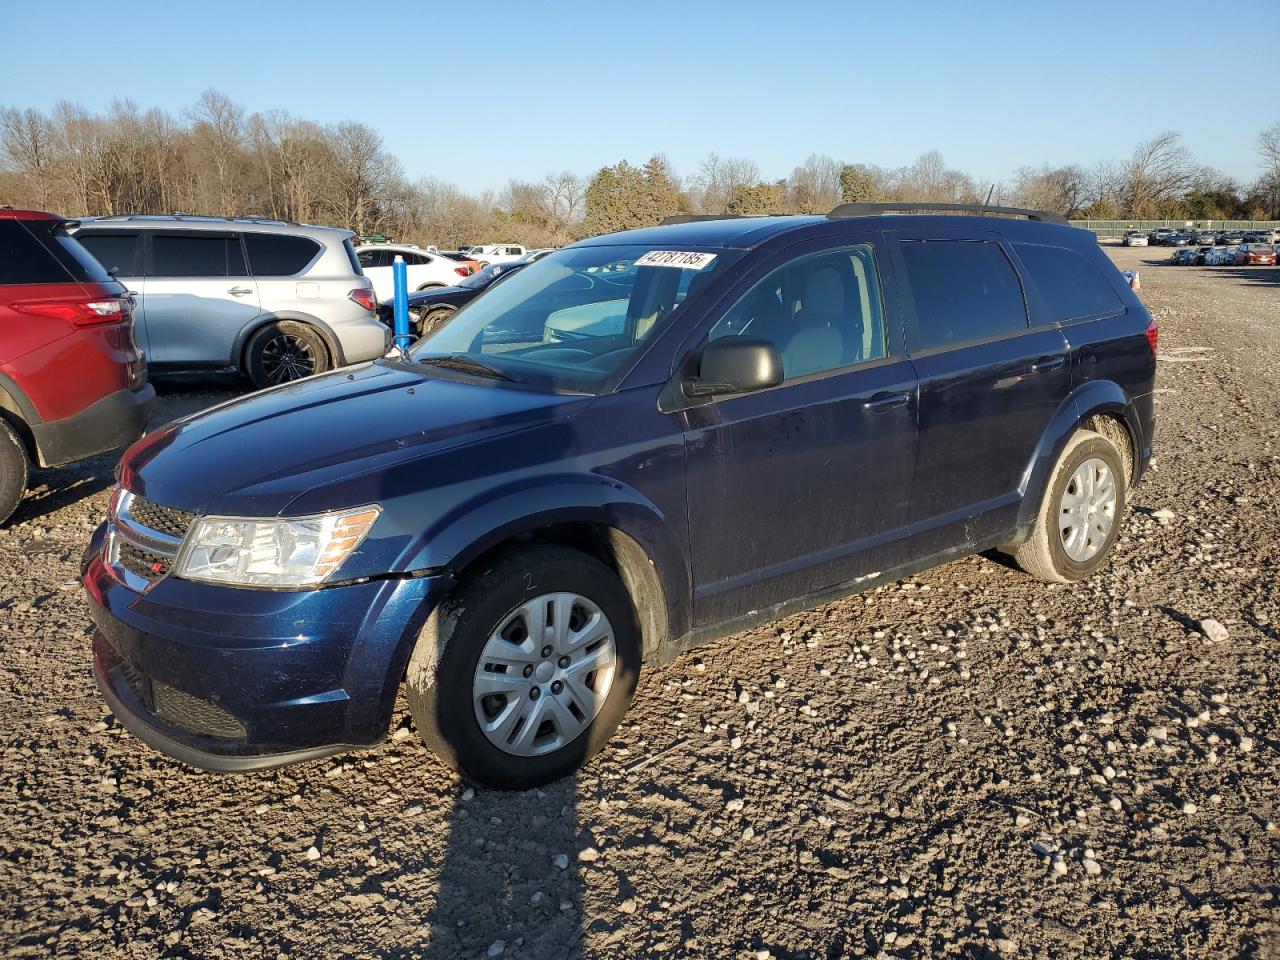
[115, 251]
[195, 255]
[1070, 285]
[575, 320]
[963, 290]
[822, 311]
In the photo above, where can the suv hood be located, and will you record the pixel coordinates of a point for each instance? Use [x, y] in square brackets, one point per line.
[253, 456]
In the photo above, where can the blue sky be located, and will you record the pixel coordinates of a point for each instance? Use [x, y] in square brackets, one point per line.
[478, 92]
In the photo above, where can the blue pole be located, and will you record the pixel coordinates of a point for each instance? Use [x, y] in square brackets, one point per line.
[400, 283]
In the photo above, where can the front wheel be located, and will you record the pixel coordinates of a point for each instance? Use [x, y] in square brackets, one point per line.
[436, 318]
[1080, 516]
[526, 672]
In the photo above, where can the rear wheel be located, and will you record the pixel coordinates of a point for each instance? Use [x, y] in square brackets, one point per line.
[1080, 516]
[283, 351]
[13, 470]
[525, 674]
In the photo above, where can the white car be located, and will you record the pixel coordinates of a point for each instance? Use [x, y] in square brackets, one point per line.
[1134, 238]
[426, 270]
[496, 253]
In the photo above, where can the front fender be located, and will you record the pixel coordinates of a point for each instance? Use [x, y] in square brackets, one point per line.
[455, 539]
[1089, 399]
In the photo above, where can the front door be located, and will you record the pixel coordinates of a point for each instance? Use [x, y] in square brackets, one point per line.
[199, 296]
[803, 486]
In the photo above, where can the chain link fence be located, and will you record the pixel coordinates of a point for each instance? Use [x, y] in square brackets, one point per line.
[1117, 228]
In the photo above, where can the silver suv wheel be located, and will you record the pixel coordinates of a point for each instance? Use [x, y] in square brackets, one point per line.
[1087, 510]
[544, 674]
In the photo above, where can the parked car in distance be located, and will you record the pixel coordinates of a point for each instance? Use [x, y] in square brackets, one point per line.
[73, 382]
[270, 299]
[460, 258]
[496, 253]
[1134, 238]
[1178, 239]
[424, 270]
[1229, 238]
[1218, 256]
[1183, 256]
[428, 309]
[1158, 236]
[1202, 238]
[1255, 255]
[513, 524]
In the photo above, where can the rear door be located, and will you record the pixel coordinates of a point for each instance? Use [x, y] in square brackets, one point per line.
[989, 382]
[199, 295]
[279, 263]
[806, 485]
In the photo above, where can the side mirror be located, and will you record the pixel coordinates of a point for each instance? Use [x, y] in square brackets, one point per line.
[735, 365]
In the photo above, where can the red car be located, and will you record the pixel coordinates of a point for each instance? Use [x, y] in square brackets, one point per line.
[72, 380]
[1255, 255]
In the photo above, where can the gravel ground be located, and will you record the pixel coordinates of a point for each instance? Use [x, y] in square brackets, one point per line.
[967, 763]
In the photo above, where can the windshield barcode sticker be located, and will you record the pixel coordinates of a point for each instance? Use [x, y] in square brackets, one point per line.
[680, 259]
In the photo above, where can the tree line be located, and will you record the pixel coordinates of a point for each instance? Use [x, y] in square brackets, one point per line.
[218, 159]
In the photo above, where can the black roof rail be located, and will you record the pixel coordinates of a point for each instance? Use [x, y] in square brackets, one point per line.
[877, 209]
[699, 218]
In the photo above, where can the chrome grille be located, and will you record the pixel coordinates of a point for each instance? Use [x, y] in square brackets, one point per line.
[144, 538]
[167, 520]
[143, 563]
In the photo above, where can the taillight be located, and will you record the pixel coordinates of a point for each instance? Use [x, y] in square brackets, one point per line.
[79, 313]
[462, 271]
[1153, 336]
[364, 297]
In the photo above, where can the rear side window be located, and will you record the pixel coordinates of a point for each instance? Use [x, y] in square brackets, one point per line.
[115, 251]
[1070, 285]
[278, 255]
[963, 290]
[374, 258]
[196, 255]
[41, 251]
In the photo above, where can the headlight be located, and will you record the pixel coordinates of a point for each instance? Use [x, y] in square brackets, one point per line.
[276, 552]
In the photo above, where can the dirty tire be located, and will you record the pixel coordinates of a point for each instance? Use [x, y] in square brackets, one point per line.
[281, 338]
[1043, 555]
[439, 680]
[436, 318]
[13, 470]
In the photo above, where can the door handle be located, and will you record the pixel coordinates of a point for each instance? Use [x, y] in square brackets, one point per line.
[885, 401]
[239, 291]
[1045, 364]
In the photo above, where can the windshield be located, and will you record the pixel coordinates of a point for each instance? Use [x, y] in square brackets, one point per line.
[576, 319]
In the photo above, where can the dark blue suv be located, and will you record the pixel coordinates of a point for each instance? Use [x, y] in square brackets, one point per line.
[639, 443]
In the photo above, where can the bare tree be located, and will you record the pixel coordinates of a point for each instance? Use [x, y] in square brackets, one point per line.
[1269, 147]
[1060, 189]
[218, 134]
[26, 139]
[1158, 172]
[717, 179]
[814, 186]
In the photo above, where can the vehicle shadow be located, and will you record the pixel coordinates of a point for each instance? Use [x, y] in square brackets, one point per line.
[510, 882]
[1269, 276]
[52, 489]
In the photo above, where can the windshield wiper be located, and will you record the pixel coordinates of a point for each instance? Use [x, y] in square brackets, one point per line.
[465, 364]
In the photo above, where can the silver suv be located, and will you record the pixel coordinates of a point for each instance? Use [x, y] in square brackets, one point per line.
[271, 299]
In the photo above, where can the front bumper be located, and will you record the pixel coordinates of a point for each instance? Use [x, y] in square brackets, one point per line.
[230, 679]
[112, 422]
